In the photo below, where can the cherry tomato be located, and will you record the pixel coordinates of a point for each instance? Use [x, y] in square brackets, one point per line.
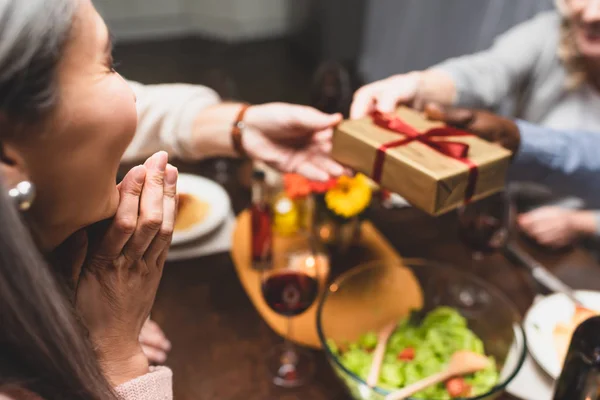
[457, 387]
[408, 354]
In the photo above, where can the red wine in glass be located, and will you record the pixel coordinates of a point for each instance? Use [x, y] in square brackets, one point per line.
[290, 293]
[484, 226]
[290, 290]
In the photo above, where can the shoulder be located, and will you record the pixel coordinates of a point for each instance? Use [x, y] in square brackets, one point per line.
[545, 20]
[544, 27]
[178, 90]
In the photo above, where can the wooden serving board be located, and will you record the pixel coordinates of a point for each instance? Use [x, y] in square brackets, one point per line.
[372, 244]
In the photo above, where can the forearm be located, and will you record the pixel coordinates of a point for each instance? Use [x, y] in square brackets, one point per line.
[566, 161]
[480, 81]
[485, 79]
[435, 86]
[211, 134]
[166, 119]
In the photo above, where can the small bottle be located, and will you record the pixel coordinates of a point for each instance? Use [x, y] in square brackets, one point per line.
[285, 216]
[262, 219]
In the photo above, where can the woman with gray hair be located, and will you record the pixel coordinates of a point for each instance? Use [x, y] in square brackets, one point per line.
[71, 331]
[547, 68]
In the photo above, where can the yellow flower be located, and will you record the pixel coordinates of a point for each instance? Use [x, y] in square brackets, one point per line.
[350, 196]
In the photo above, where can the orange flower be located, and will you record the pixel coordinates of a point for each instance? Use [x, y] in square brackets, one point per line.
[322, 187]
[296, 186]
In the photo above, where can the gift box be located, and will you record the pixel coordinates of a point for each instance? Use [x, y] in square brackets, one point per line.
[435, 167]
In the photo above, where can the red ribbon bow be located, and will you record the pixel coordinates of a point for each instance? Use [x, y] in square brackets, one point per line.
[455, 150]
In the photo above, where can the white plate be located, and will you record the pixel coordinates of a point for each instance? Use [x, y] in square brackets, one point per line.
[541, 320]
[210, 192]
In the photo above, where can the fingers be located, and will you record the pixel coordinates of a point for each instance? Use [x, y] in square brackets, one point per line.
[312, 163]
[162, 258]
[388, 100]
[152, 335]
[313, 120]
[551, 238]
[153, 354]
[548, 226]
[539, 215]
[125, 221]
[530, 222]
[539, 232]
[458, 117]
[364, 101]
[312, 172]
[324, 136]
[385, 95]
[151, 207]
[326, 164]
[165, 233]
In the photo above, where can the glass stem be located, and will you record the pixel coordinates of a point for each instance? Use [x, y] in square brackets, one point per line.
[289, 353]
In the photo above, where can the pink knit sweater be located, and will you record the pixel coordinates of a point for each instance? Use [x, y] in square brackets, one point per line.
[155, 385]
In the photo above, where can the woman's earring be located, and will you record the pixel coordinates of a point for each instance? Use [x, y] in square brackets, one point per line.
[23, 195]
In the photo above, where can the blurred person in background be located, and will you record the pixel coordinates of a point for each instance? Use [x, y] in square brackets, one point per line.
[66, 121]
[549, 69]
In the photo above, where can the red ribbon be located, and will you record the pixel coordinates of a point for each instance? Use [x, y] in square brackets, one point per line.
[455, 150]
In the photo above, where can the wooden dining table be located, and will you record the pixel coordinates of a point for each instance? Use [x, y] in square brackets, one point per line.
[220, 341]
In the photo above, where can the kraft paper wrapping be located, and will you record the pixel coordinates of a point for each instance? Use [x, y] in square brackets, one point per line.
[429, 180]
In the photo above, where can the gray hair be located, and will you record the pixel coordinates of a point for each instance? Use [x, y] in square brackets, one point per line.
[33, 34]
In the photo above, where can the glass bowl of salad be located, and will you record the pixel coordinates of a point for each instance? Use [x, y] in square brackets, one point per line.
[438, 310]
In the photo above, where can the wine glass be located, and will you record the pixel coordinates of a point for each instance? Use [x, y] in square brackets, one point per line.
[289, 289]
[485, 225]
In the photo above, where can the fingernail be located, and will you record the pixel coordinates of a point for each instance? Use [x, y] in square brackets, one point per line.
[171, 175]
[162, 159]
[168, 345]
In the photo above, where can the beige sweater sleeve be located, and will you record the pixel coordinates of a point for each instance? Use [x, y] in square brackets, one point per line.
[166, 115]
[155, 385]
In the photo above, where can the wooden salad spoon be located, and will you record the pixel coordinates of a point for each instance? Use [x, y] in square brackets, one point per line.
[379, 353]
[461, 363]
